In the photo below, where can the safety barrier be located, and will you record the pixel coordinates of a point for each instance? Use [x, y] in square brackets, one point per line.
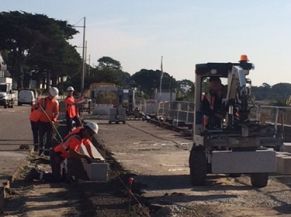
[180, 113]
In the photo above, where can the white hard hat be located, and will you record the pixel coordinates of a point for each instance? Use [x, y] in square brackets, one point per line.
[70, 88]
[53, 91]
[92, 126]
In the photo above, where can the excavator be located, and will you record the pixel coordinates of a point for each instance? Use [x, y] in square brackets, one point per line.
[240, 143]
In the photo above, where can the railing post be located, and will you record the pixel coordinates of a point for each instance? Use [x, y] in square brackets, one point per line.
[187, 114]
[276, 118]
[258, 113]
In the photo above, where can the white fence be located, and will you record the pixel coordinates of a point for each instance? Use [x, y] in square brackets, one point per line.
[181, 113]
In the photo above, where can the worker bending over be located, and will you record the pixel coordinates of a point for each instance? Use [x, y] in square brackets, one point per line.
[69, 150]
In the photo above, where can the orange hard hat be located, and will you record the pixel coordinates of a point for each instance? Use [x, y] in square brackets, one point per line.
[244, 58]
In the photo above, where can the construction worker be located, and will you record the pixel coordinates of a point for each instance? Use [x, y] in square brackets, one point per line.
[71, 109]
[69, 150]
[49, 113]
[212, 106]
[34, 122]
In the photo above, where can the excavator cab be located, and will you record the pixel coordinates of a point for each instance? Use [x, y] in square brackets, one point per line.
[226, 137]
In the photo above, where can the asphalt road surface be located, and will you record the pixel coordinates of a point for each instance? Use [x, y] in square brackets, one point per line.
[14, 133]
[158, 159]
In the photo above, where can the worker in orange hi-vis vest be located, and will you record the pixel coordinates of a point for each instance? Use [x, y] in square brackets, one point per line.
[34, 122]
[49, 113]
[70, 149]
[72, 114]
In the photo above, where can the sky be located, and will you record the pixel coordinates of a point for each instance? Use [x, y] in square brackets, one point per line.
[185, 32]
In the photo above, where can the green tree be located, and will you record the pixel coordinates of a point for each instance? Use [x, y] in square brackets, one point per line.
[108, 70]
[149, 80]
[35, 44]
[185, 90]
[109, 63]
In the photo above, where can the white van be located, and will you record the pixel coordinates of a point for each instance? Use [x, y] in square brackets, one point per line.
[26, 97]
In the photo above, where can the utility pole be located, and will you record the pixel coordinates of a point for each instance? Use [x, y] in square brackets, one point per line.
[170, 87]
[89, 62]
[161, 79]
[83, 56]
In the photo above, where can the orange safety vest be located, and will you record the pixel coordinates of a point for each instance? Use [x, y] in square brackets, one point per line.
[71, 108]
[35, 113]
[77, 130]
[74, 131]
[72, 141]
[51, 108]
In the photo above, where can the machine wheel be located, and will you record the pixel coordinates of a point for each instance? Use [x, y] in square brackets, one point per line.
[123, 122]
[259, 180]
[109, 122]
[198, 165]
[19, 104]
[5, 106]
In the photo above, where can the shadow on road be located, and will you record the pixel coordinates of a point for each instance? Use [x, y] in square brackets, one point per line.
[169, 182]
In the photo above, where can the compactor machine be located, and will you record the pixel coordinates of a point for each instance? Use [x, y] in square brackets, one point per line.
[238, 143]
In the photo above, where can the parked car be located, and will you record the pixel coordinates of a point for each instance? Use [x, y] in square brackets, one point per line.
[26, 97]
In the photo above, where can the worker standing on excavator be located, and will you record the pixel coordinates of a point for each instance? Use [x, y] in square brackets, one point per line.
[211, 105]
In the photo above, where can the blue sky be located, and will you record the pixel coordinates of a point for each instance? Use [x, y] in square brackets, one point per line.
[184, 32]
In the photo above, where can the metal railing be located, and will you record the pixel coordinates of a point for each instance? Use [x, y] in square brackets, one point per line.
[181, 113]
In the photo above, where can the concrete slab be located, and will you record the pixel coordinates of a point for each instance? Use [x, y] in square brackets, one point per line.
[95, 152]
[96, 171]
[283, 164]
[244, 161]
[286, 147]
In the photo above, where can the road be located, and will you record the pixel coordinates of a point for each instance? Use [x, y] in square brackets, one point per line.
[159, 159]
[33, 197]
[14, 132]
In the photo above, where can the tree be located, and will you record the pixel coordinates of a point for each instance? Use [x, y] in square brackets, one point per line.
[278, 92]
[108, 70]
[149, 80]
[35, 43]
[109, 63]
[185, 90]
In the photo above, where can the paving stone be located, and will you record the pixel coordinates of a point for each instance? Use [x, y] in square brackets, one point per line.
[283, 164]
[243, 161]
[96, 171]
[286, 147]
